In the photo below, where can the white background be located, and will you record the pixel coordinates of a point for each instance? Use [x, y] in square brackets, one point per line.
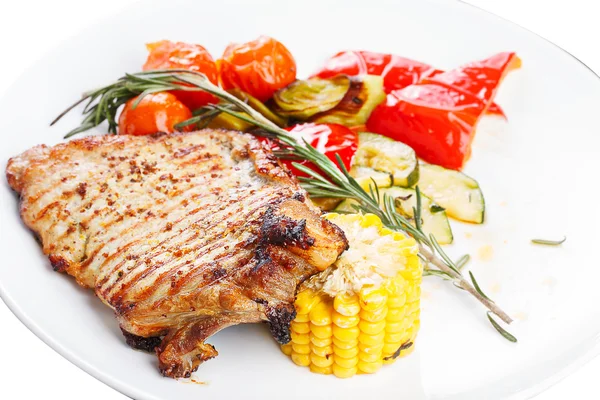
[29, 28]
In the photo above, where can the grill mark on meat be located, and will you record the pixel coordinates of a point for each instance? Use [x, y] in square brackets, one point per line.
[146, 272]
[45, 210]
[223, 206]
[195, 270]
[186, 283]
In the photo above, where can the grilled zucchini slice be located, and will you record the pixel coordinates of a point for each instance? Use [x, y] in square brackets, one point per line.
[433, 217]
[458, 193]
[387, 155]
[365, 177]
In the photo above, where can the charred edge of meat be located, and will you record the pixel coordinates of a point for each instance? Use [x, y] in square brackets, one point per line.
[299, 196]
[284, 231]
[140, 342]
[397, 352]
[176, 371]
[280, 318]
[59, 264]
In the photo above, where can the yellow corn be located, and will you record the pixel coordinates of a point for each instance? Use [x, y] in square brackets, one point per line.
[352, 333]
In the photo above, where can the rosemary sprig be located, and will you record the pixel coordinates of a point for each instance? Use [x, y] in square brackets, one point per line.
[333, 180]
[547, 242]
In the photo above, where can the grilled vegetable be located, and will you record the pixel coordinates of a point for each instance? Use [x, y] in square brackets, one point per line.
[178, 55]
[458, 193]
[438, 115]
[361, 312]
[365, 177]
[364, 94]
[433, 217]
[303, 99]
[259, 67]
[155, 112]
[258, 106]
[332, 140]
[387, 155]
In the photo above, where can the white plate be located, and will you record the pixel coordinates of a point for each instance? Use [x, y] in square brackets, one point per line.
[538, 173]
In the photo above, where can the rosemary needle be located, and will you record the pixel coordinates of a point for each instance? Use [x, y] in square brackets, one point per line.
[547, 242]
[500, 329]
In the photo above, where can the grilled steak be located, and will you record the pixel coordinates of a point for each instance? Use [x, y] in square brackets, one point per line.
[181, 235]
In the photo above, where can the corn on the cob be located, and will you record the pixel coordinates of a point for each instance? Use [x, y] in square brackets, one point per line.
[364, 311]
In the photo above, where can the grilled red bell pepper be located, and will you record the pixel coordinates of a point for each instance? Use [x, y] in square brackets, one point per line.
[437, 116]
[397, 72]
[329, 139]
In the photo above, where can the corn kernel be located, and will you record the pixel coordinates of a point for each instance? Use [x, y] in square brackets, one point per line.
[301, 348]
[301, 359]
[322, 351]
[393, 337]
[342, 372]
[376, 349]
[302, 318]
[371, 328]
[373, 316]
[286, 349]
[300, 327]
[413, 307]
[345, 353]
[369, 367]
[300, 338]
[396, 301]
[343, 344]
[321, 370]
[372, 340]
[346, 334]
[346, 304]
[346, 362]
[392, 347]
[396, 327]
[369, 220]
[344, 321]
[372, 298]
[321, 342]
[321, 361]
[395, 314]
[305, 301]
[321, 331]
[396, 286]
[369, 358]
[320, 315]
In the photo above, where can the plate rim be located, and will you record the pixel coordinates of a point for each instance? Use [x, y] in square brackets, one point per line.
[136, 393]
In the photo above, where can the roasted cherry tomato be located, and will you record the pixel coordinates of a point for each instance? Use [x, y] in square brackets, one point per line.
[437, 116]
[260, 67]
[157, 112]
[397, 72]
[177, 55]
[329, 139]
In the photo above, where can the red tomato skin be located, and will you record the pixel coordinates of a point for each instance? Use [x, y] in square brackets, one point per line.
[157, 112]
[330, 139]
[260, 67]
[178, 55]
